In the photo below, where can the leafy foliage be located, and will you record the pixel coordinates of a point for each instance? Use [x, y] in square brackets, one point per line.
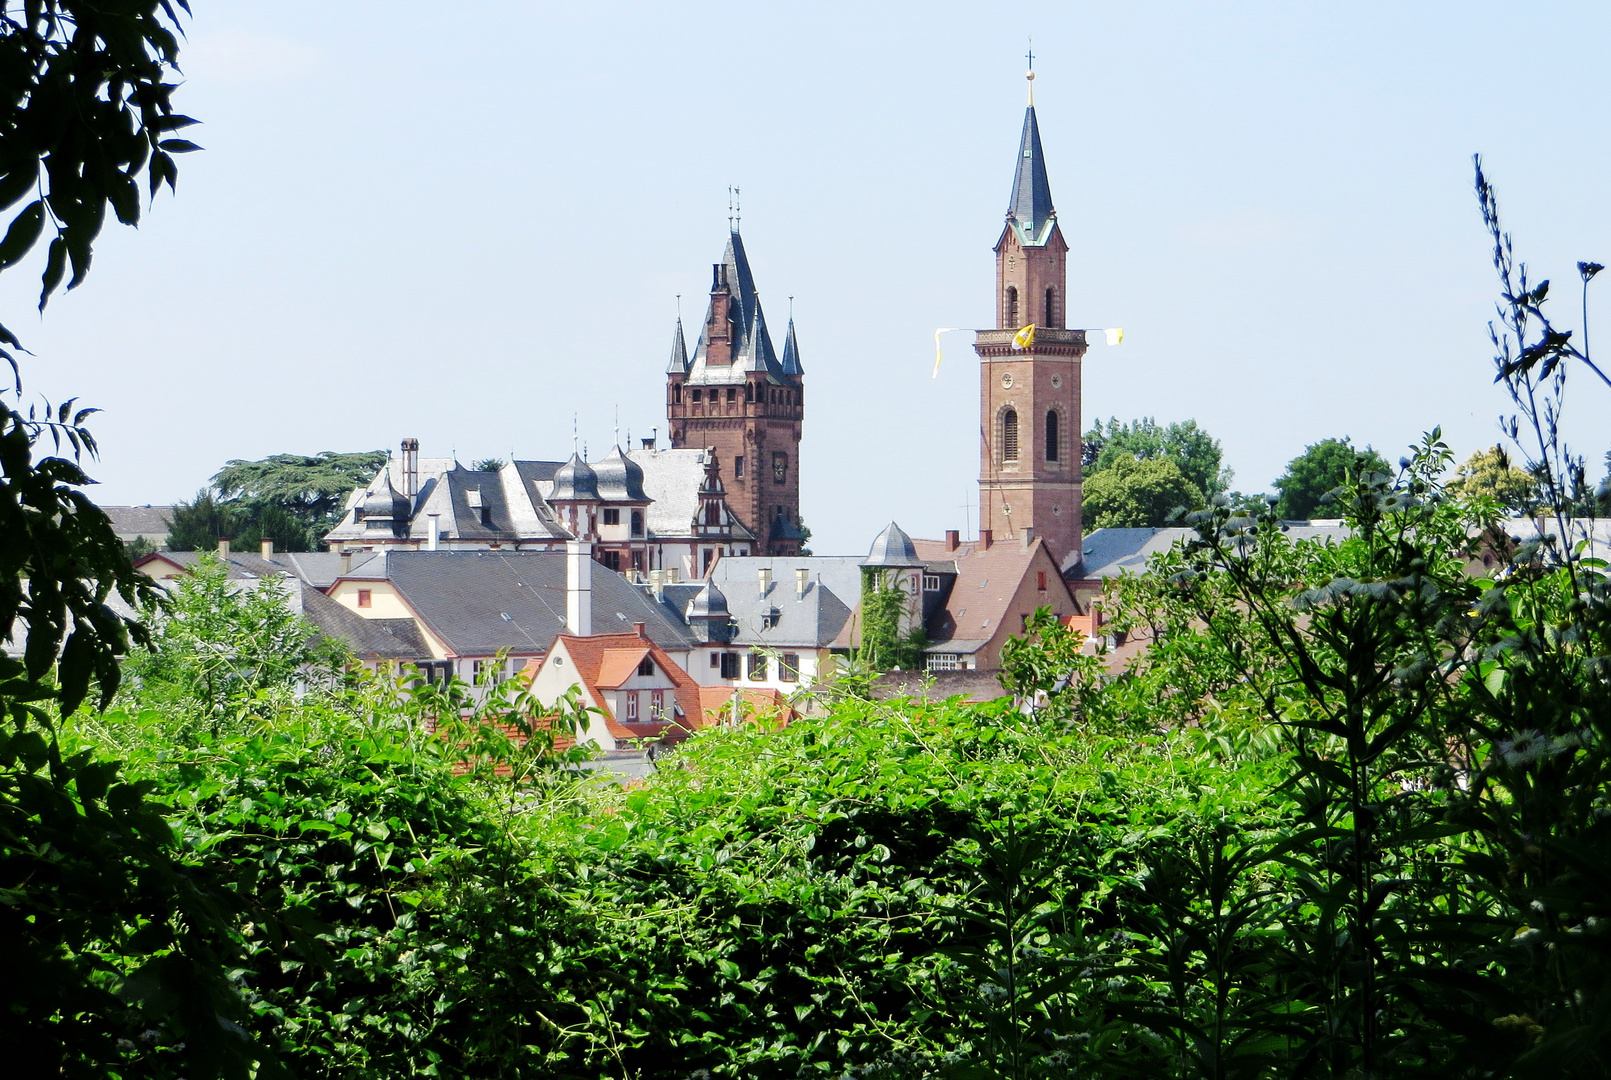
[1196, 453]
[1489, 474]
[291, 499]
[1132, 493]
[1320, 470]
[885, 607]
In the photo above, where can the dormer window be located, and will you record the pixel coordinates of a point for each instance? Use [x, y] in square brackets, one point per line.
[646, 666]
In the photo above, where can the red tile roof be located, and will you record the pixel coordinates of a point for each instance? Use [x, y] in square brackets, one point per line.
[598, 656]
[619, 665]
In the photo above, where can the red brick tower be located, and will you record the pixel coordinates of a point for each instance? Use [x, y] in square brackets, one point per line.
[1029, 398]
[736, 395]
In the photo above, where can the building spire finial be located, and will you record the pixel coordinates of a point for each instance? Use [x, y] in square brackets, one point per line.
[1029, 76]
[735, 214]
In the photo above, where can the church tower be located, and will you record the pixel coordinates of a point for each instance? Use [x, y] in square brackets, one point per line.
[1029, 396]
[738, 398]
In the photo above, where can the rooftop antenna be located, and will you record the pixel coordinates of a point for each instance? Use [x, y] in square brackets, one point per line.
[618, 427]
[574, 436]
[1030, 74]
[679, 307]
[738, 212]
[730, 211]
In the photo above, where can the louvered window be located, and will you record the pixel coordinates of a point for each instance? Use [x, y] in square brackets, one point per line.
[1051, 435]
[1012, 307]
[1009, 435]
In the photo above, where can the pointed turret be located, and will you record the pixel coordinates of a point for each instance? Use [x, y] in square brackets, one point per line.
[1031, 211]
[791, 353]
[679, 351]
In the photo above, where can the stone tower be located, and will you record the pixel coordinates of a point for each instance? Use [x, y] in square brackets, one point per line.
[737, 396]
[1029, 398]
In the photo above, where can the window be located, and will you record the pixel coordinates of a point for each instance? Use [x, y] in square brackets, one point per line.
[789, 667]
[732, 393]
[713, 513]
[1012, 307]
[676, 393]
[1051, 435]
[729, 665]
[637, 560]
[637, 523]
[696, 394]
[1009, 435]
[365, 597]
[1040, 580]
[715, 659]
[612, 559]
[488, 669]
[646, 666]
[931, 582]
[738, 466]
[632, 705]
[780, 467]
[749, 391]
[612, 516]
[1051, 307]
[757, 666]
[769, 619]
[944, 661]
[657, 704]
[1023, 623]
[709, 556]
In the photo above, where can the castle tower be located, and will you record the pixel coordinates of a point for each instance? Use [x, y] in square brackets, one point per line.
[1029, 398]
[737, 397]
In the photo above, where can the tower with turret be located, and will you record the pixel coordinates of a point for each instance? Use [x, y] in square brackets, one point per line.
[1029, 371]
[739, 399]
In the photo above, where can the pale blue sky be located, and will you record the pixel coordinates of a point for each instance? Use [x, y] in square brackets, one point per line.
[466, 222]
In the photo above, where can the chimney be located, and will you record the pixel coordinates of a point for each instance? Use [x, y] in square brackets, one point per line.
[802, 581]
[953, 539]
[433, 539]
[1029, 535]
[411, 467]
[641, 629]
[654, 437]
[266, 547]
[657, 582]
[986, 538]
[223, 549]
[765, 577]
[346, 563]
[579, 588]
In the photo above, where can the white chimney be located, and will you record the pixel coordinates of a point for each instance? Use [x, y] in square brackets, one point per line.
[802, 581]
[346, 563]
[411, 467]
[267, 548]
[765, 575]
[1029, 536]
[223, 549]
[657, 581]
[433, 539]
[579, 588]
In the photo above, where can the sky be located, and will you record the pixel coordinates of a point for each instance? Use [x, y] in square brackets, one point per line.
[470, 223]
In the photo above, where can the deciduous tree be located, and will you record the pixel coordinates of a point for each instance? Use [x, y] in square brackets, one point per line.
[1322, 468]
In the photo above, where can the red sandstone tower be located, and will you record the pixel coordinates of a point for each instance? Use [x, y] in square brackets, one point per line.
[738, 397]
[1029, 398]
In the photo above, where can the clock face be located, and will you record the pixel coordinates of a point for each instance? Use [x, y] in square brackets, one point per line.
[1057, 382]
[1006, 380]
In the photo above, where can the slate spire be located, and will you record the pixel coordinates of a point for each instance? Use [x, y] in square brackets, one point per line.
[791, 353]
[679, 350]
[1031, 210]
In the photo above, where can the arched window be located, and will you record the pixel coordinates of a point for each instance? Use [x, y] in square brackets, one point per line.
[1009, 435]
[749, 391]
[676, 393]
[1051, 307]
[1051, 435]
[713, 513]
[1012, 307]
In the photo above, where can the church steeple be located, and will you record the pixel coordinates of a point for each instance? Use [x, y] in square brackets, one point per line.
[679, 351]
[1031, 212]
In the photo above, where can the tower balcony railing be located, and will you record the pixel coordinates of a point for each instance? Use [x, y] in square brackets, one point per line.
[1043, 336]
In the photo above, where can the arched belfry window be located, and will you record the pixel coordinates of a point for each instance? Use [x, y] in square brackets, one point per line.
[1012, 307]
[1051, 435]
[1051, 307]
[1009, 435]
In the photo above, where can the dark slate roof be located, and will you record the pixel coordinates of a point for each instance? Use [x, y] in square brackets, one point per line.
[575, 480]
[474, 493]
[791, 353]
[1110, 552]
[892, 547]
[369, 639]
[1031, 209]
[132, 521]
[619, 478]
[317, 568]
[478, 602]
[679, 350]
[751, 342]
[812, 619]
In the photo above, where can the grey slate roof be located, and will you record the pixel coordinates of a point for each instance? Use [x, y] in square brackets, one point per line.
[679, 351]
[672, 479]
[316, 568]
[576, 480]
[1031, 211]
[892, 547]
[151, 522]
[620, 479]
[809, 620]
[1109, 552]
[369, 639]
[478, 602]
[751, 342]
[791, 353]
